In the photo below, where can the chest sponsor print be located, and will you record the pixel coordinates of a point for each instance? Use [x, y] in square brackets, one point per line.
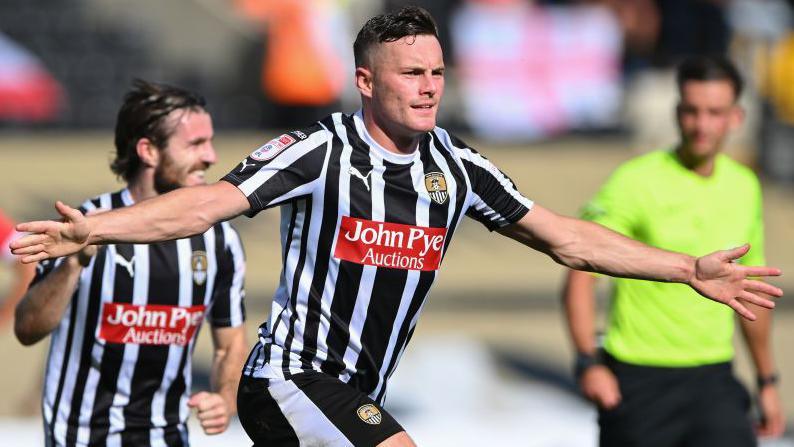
[391, 245]
[151, 324]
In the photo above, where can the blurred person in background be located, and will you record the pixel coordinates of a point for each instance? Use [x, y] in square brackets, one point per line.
[369, 203]
[124, 318]
[665, 377]
[20, 274]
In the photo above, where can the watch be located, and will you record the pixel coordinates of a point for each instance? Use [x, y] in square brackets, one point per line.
[582, 362]
[770, 379]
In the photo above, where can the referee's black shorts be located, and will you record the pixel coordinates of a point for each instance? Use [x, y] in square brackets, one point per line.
[312, 407]
[700, 406]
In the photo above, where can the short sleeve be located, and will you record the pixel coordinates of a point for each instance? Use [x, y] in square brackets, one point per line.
[228, 307]
[755, 236]
[282, 169]
[616, 205]
[496, 201]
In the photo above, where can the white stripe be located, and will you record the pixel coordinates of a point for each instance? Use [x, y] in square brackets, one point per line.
[281, 162]
[140, 290]
[157, 436]
[307, 275]
[65, 405]
[311, 425]
[364, 296]
[236, 292]
[57, 348]
[412, 279]
[212, 266]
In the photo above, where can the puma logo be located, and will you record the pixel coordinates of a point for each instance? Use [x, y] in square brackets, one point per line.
[364, 178]
[129, 265]
[245, 165]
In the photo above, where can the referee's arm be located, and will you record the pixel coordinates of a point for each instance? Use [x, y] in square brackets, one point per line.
[591, 247]
[175, 215]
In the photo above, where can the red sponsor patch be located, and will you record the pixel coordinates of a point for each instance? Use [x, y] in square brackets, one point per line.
[272, 148]
[151, 324]
[391, 245]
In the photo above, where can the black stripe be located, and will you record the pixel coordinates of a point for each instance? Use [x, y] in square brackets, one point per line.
[349, 275]
[287, 246]
[400, 198]
[491, 191]
[306, 210]
[461, 190]
[112, 353]
[220, 310]
[322, 253]
[163, 288]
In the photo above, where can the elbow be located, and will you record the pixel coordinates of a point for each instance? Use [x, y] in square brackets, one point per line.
[25, 336]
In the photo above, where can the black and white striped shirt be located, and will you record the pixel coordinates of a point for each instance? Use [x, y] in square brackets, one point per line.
[119, 365]
[363, 233]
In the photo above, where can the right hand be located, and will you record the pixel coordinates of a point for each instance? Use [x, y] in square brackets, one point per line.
[600, 385]
[52, 239]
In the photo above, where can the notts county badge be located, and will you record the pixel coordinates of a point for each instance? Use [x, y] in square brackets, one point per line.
[436, 186]
[198, 261]
[370, 414]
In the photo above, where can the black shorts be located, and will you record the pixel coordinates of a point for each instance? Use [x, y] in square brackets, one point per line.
[677, 407]
[312, 407]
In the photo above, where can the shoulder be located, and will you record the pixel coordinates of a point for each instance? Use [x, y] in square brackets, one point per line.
[737, 171]
[451, 144]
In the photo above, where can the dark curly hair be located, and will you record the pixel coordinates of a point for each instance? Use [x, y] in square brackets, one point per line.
[144, 115]
[409, 21]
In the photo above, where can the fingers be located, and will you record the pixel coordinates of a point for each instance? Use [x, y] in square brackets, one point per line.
[25, 244]
[734, 253]
[68, 212]
[741, 310]
[761, 271]
[212, 412]
[39, 226]
[762, 287]
[757, 300]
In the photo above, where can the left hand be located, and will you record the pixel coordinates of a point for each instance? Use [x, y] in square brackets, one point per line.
[718, 278]
[773, 422]
[212, 411]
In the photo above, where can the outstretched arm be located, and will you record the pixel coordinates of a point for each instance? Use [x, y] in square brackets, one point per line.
[177, 214]
[583, 245]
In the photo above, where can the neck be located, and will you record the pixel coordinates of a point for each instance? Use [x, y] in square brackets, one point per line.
[702, 166]
[142, 186]
[390, 140]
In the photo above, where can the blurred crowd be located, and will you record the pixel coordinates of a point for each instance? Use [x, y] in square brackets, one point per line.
[518, 70]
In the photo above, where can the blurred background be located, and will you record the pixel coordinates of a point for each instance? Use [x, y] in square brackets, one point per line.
[556, 93]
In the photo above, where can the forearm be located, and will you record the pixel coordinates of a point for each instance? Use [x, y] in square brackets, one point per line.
[227, 363]
[579, 304]
[757, 336]
[41, 309]
[177, 214]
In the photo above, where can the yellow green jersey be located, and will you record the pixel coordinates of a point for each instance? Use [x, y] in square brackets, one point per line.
[655, 199]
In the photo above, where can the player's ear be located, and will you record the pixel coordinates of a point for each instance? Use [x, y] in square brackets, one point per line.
[737, 116]
[148, 153]
[364, 81]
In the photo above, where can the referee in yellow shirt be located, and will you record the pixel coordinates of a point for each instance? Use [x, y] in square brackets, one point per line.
[664, 375]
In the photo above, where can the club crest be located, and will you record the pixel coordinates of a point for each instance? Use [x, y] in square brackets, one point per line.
[436, 186]
[370, 414]
[198, 262]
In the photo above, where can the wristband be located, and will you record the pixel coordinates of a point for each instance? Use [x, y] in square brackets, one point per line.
[582, 363]
[763, 381]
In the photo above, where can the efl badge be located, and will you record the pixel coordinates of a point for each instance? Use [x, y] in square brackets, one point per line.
[436, 186]
[198, 261]
[370, 414]
[272, 148]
